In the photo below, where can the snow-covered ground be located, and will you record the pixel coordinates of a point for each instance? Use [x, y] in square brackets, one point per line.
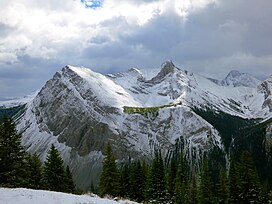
[29, 196]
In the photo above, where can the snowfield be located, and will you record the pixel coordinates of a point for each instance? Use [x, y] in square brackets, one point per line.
[29, 196]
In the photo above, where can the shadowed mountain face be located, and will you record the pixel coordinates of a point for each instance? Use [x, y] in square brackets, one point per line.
[80, 111]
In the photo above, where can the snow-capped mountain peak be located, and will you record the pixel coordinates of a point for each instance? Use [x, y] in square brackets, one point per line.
[236, 78]
[166, 68]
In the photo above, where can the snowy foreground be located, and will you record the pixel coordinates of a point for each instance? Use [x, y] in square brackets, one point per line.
[29, 196]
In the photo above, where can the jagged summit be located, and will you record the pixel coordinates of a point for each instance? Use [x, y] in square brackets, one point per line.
[236, 78]
[166, 68]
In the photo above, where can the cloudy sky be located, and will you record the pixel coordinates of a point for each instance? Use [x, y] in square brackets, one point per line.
[39, 37]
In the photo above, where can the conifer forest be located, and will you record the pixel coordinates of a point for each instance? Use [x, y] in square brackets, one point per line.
[155, 181]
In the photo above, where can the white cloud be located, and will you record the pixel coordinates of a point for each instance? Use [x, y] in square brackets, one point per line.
[43, 29]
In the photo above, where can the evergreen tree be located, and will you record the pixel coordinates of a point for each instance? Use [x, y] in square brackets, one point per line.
[137, 182]
[54, 173]
[171, 178]
[156, 185]
[35, 171]
[192, 191]
[69, 183]
[125, 181]
[222, 187]
[13, 171]
[234, 188]
[250, 187]
[181, 184]
[109, 179]
[205, 186]
[265, 193]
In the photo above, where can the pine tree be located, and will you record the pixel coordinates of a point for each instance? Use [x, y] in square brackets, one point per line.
[250, 187]
[156, 184]
[265, 192]
[35, 171]
[181, 184]
[205, 186]
[137, 182]
[192, 190]
[109, 179]
[13, 171]
[69, 183]
[222, 187]
[234, 188]
[54, 173]
[125, 190]
[171, 178]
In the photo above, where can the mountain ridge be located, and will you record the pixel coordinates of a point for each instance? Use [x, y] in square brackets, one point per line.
[80, 111]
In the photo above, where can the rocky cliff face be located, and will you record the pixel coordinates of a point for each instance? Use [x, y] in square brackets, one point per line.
[266, 88]
[80, 111]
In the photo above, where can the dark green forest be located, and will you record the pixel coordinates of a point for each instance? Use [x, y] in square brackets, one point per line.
[176, 183]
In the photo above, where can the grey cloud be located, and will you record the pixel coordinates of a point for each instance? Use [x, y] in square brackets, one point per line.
[28, 75]
[215, 39]
[5, 29]
[230, 35]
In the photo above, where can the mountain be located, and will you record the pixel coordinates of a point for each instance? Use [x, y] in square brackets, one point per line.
[29, 196]
[13, 102]
[236, 78]
[80, 111]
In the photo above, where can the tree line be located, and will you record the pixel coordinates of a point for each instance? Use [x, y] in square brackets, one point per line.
[20, 169]
[177, 183]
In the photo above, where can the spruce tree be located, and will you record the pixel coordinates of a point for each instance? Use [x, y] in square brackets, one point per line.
[156, 191]
[137, 182]
[181, 184]
[35, 171]
[69, 183]
[171, 178]
[13, 171]
[192, 190]
[234, 186]
[125, 187]
[109, 179]
[250, 187]
[54, 173]
[205, 186]
[222, 187]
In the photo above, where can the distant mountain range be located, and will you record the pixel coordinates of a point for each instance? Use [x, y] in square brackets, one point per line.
[80, 111]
